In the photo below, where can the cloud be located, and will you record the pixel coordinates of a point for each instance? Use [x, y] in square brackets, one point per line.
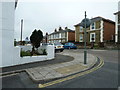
[50, 14]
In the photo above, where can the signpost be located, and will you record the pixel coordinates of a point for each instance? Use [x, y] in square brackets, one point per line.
[85, 24]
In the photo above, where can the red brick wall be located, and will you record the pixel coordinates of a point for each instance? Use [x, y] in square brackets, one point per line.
[71, 36]
[109, 30]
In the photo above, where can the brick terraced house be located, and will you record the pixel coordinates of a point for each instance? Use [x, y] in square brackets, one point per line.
[101, 30]
[62, 36]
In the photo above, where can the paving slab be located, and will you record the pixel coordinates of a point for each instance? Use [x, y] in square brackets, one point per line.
[53, 71]
[58, 59]
[70, 69]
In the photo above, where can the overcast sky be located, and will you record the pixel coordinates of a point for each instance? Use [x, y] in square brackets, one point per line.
[47, 15]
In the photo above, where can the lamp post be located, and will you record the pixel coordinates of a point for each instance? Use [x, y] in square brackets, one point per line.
[85, 24]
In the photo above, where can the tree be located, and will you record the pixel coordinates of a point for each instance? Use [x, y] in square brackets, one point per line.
[36, 39]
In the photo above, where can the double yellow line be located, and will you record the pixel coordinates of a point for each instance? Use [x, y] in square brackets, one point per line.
[73, 76]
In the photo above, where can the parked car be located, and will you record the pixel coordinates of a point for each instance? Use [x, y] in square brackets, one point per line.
[70, 46]
[59, 47]
[47, 44]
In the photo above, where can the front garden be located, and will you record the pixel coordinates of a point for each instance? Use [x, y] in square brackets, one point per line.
[36, 53]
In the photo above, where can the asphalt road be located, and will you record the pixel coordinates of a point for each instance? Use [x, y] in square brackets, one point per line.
[105, 77]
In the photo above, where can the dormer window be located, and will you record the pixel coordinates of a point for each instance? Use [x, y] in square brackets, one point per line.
[93, 26]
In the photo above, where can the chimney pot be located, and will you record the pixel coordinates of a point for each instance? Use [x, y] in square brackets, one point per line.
[60, 28]
[55, 30]
[66, 28]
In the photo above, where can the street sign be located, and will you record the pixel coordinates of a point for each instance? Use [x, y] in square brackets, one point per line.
[85, 24]
[88, 22]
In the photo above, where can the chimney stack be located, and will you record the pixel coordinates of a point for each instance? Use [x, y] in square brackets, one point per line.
[66, 28]
[46, 33]
[55, 30]
[60, 28]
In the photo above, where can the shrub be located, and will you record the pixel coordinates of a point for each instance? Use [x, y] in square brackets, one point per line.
[96, 46]
[44, 51]
[28, 53]
[25, 53]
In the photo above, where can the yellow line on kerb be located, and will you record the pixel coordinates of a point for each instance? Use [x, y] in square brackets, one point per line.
[71, 77]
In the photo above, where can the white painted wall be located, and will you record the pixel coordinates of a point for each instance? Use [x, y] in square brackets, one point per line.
[27, 59]
[17, 60]
[10, 55]
[0, 34]
[116, 24]
[7, 42]
[101, 31]
[116, 28]
[67, 37]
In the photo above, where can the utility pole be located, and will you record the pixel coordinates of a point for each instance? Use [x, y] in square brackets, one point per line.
[21, 37]
[85, 51]
[21, 30]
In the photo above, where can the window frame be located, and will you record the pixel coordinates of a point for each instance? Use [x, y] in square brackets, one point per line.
[92, 26]
[91, 37]
[81, 29]
[80, 37]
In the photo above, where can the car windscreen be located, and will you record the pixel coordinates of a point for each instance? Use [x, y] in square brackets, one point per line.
[57, 44]
[70, 44]
[67, 44]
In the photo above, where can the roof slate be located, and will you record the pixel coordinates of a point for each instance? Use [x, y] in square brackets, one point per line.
[60, 31]
[97, 19]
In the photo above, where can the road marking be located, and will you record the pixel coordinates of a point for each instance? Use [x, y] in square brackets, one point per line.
[9, 75]
[73, 76]
[98, 50]
[11, 72]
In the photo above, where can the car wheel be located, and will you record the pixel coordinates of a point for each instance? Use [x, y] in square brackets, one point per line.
[69, 48]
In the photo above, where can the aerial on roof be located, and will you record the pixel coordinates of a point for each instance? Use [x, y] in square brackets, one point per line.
[97, 19]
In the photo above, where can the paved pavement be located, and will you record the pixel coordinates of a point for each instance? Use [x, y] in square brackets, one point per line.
[54, 71]
[58, 59]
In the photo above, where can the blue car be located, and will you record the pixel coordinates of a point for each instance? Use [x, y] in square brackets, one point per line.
[70, 46]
